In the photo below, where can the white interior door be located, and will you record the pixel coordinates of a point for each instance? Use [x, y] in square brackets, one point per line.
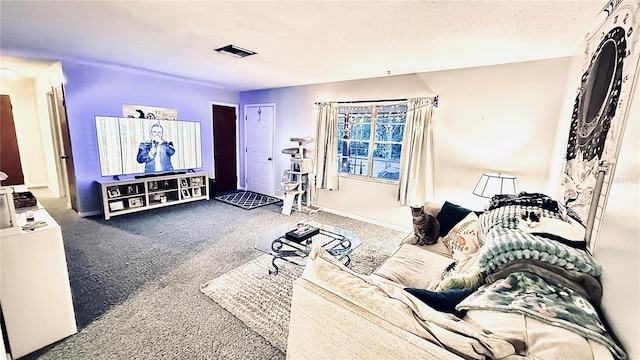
[259, 124]
[60, 184]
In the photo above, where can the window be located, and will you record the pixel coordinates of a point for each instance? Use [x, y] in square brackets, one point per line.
[370, 139]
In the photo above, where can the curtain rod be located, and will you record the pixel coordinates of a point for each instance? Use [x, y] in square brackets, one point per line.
[435, 101]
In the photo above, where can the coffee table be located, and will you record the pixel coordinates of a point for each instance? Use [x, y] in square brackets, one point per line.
[292, 242]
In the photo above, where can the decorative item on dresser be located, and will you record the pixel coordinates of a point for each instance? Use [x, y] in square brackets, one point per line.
[24, 199]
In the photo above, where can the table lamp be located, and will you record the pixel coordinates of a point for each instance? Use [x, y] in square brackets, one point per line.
[491, 184]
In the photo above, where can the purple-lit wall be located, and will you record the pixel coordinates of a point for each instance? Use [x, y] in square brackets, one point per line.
[92, 89]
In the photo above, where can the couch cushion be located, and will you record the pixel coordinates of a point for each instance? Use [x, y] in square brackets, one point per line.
[413, 266]
[439, 247]
[432, 208]
[401, 309]
[535, 339]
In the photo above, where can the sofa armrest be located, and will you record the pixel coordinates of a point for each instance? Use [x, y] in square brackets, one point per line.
[324, 325]
[413, 266]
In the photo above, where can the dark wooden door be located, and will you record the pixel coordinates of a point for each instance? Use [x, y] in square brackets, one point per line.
[224, 148]
[10, 154]
[67, 156]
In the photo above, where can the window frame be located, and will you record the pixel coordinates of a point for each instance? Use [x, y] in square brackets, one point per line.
[375, 106]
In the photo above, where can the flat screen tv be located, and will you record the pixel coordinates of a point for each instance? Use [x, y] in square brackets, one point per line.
[135, 146]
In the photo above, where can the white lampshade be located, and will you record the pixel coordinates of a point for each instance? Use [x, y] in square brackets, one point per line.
[491, 184]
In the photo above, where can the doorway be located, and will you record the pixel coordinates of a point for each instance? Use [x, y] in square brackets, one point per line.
[56, 144]
[225, 147]
[63, 143]
[259, 125]
[10, 154]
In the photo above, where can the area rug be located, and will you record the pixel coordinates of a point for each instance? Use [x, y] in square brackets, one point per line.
[247, 199]
[263, 301]
[260, 300]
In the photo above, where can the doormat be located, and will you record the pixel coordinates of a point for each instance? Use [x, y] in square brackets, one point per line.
[247, 199]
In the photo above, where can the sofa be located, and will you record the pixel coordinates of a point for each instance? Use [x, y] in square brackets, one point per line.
[337, 313]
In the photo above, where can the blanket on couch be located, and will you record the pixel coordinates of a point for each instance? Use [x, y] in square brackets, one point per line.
[505, 242]
[529, 294]
[536, 275]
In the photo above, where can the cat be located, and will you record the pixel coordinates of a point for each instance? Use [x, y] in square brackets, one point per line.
[572, 234]
[530, 218]
[425, 227]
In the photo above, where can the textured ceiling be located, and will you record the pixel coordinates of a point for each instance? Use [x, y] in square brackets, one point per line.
[298, 42]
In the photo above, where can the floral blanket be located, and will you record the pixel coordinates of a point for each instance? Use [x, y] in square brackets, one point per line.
[529, 294]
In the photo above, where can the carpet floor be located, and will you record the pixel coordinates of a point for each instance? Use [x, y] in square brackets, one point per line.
[136, 279]
[259, 300]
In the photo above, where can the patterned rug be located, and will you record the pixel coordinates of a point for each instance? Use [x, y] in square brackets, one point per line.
[247, 199]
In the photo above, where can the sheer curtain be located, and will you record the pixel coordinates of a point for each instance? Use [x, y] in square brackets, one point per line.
[327, 146]
[417, 159]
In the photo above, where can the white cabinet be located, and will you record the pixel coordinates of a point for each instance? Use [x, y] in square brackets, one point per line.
[121, 197]
[35, 294]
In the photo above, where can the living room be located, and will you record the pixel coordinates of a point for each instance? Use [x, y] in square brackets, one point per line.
[510, 118]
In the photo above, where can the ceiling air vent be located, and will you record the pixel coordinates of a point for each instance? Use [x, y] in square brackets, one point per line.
[235, 51]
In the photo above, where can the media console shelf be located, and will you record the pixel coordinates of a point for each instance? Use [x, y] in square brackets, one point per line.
[127, 196]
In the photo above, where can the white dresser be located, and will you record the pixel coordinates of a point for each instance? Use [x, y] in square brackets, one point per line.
[35, 294]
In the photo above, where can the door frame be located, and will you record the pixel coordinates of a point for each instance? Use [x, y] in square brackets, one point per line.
[238, 146]
[62, 185]
[65, 143]
[273, 141]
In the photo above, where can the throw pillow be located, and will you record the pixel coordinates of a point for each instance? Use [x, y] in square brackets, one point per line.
[449, 216]
[444, 301]
[463, 237]
[425, 226]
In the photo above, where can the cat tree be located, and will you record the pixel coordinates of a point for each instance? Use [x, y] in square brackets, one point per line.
[296, 180]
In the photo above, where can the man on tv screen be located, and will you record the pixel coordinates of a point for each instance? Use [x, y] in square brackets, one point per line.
[156, 153]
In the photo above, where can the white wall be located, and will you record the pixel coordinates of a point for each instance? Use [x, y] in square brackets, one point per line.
[25, 116]
[618, 247]
[496, 118]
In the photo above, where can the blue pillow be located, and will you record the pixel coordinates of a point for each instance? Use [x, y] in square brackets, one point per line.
[449, 216]
[443, 301]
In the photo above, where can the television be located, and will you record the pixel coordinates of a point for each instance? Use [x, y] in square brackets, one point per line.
[135, 146]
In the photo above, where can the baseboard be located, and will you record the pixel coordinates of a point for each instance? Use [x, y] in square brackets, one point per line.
[90, 213]
[37, 185]
[366, 219]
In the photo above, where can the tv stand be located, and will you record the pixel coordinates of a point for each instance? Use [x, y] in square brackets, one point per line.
[152, 191]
